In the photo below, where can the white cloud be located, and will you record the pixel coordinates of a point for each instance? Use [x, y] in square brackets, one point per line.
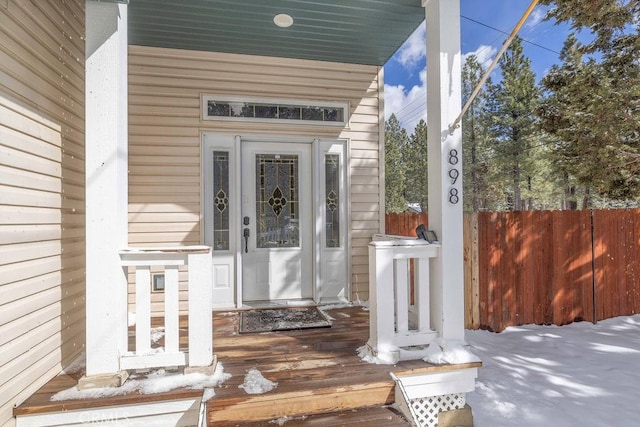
[409, 106]
[413, 50]
[483, 53]
[394, 99]
[535, 18]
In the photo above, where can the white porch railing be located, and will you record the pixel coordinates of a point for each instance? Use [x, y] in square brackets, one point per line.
[395, 320]
[200, 345]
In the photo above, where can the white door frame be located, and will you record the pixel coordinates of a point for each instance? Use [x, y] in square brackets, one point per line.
[330, 270]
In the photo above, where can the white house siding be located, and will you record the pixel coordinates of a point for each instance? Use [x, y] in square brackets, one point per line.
[42, 287]
[165, 88]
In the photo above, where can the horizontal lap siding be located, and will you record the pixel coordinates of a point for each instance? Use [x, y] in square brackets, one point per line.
[165, 88]
[42, 287]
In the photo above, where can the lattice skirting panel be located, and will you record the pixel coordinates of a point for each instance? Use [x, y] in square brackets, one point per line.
[426, 409]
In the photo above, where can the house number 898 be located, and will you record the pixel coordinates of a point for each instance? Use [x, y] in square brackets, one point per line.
[454, 174]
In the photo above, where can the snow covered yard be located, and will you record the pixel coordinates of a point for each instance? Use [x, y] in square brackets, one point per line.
[575, 375]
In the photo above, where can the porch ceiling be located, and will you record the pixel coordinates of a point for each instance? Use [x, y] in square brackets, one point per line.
[348, 31]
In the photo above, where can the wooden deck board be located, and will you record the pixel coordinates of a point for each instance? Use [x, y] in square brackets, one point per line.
[41, 402]
[317, 371]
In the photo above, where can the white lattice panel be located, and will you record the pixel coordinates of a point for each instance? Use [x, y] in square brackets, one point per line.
[426, 409]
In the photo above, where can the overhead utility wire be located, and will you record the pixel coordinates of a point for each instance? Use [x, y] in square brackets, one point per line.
[456, 123]
[424, 90]
[504, 32]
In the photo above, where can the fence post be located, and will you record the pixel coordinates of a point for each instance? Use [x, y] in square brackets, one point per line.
[475, 272]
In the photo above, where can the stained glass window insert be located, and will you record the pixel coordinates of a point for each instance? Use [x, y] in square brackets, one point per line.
[277, 201]
[332, 200]
[220, 200]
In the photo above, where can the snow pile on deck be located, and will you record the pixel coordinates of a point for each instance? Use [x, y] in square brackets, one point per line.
[255, 383]
[158, 381]
[328, 307]
[439, 352]
[443, 352]
[366, 356]
[157, 334]
[283, 420]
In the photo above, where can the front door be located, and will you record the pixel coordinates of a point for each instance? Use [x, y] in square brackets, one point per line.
[277, 227]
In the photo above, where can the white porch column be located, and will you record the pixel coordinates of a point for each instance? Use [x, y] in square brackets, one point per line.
[445, 164]
[106, 189]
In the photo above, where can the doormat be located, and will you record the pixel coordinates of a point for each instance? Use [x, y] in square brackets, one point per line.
[282, 319]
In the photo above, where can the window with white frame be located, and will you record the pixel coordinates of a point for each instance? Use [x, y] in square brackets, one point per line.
[259, 109]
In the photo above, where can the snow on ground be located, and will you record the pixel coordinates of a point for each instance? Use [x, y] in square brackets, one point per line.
[255, 383]
[575, 375]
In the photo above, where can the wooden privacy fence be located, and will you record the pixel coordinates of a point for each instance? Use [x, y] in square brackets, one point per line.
[404, 224]
[547, 267]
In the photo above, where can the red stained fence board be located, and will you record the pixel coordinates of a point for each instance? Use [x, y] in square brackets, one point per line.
[547, 267]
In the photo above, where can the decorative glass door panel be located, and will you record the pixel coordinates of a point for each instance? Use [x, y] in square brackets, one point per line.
[277, 228]
[277, 201]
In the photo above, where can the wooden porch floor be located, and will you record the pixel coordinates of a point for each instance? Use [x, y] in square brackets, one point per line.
[321, 380]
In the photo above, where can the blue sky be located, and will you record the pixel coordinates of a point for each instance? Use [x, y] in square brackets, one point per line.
[404, 73]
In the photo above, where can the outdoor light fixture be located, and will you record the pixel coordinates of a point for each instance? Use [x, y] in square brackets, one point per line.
[157, 280]
[283, 20]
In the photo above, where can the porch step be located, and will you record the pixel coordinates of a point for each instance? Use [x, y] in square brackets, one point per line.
[178, 407]
[318, 372]
[302, 398]
[374, 416]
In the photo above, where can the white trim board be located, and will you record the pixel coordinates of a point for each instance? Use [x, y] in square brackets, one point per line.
[331, 266]
[183, 412]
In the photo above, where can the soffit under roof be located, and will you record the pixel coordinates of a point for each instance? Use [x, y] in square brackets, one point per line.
[348, 31]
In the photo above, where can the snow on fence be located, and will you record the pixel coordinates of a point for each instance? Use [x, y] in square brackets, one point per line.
[545, 267]
[200, 346]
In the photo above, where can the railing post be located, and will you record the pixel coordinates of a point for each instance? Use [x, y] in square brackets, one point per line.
[199, 263]
[200, 309]
[401, 268]
[381, 304]
[143, 310]
[390, 327]
[172, 309]
[422, 299]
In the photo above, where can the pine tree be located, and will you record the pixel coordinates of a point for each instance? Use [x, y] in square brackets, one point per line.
[593, 97]
[394, 142]
[415, 155]
[474, 139]
[558, 109]
[513, 103]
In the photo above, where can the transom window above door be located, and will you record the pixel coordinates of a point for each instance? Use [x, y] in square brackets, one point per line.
[258, 109]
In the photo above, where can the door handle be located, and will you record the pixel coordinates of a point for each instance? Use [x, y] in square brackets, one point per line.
[245, 234]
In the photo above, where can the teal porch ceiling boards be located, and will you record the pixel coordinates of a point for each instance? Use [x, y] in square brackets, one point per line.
[348, 31]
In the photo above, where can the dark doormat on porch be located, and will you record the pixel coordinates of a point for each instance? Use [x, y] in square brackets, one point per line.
[282, 319]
